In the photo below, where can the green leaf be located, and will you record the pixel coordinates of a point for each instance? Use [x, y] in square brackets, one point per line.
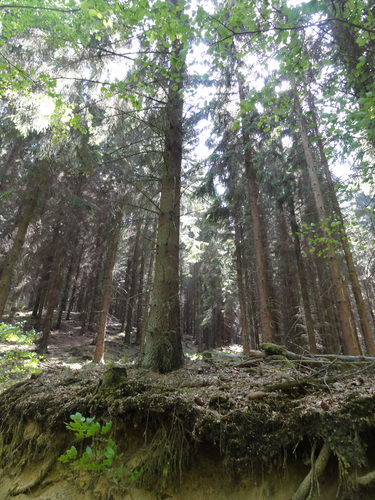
[106, 428]
[360, 64]
[72, 453]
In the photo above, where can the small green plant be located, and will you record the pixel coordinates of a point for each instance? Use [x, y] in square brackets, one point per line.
[102, 455]
[16, 334]
[16, 360]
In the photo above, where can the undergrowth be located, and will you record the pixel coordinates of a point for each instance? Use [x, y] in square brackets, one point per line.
[102, 456]
[17, 361]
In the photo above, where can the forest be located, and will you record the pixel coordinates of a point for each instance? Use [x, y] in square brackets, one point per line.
[182, 176]
[195, 170]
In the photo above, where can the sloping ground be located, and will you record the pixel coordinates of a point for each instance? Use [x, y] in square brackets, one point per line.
[223, 427]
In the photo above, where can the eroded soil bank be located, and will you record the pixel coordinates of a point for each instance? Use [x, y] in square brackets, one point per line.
[223, 427]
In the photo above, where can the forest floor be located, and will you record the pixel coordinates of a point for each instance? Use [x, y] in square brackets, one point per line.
[288, 407]
[250, 377]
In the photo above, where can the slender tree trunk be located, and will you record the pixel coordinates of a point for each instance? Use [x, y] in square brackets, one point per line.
[106, 285]
[309, 322]
[42, 293]
[11, 259]
[75, 285]
[126, 292]
[241, 289]
[163, 351]
[266, 320]
[53, 297]
[65, 294]
[350, 342]
[353, 276]
[198, 329]
[133, 287]
[140, 301]
[94, 296]
[288, 287]
[15, 150]
[146, 312]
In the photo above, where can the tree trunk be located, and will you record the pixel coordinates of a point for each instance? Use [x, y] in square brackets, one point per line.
[139, 315]
[11, 259]
[132, 290]
[266, 320]
[75, 284]
[65, 294]
[309, 322]
[350, 342]
[53, 297]
[289, 298]
[163, 351]
[106, 285]
[353, 276]
[146, 312]
[126, 293]
[241, 288]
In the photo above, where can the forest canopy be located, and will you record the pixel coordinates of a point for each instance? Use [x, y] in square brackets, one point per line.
[197, 170]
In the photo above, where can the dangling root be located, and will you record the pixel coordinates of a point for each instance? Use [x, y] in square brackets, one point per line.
[35, 476]
[366, 479]
[316, 471]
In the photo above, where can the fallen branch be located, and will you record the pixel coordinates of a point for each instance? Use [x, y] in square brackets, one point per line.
[298, 384]
[274, 349]
[341, 357]
[317, 469]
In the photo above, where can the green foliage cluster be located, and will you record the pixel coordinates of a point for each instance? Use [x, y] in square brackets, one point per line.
[16, 333]
[323, 237]
[18, 362]
[102, 455]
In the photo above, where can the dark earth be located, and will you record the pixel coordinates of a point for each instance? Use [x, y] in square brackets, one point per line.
[270, 425]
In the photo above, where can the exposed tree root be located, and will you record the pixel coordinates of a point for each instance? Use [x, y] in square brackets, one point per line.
[366, 479]
[317, 468]
[32, 480]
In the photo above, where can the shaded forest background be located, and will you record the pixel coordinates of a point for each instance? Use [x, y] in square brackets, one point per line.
[110, 204]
